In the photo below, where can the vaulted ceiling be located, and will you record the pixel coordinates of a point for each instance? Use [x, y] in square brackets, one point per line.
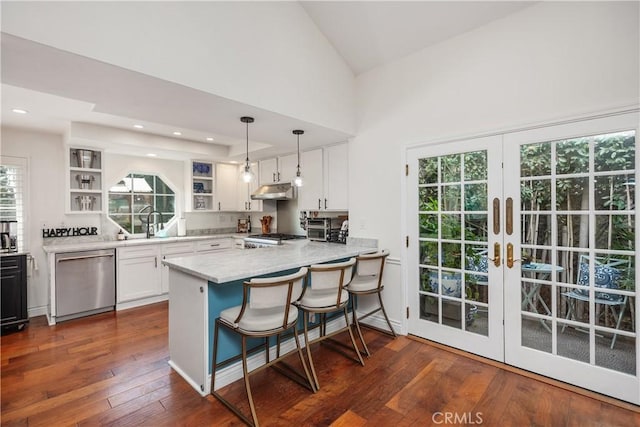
[366, 34]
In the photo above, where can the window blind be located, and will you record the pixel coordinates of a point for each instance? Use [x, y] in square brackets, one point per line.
[12, 193]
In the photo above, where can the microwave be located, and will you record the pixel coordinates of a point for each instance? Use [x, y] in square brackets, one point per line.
[319, 229]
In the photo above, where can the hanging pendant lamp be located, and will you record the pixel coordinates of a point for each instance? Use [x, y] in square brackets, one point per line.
[247, 175]
[297, 181]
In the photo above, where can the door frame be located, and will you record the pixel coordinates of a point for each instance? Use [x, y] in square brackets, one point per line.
[616, 384]
[537, 129]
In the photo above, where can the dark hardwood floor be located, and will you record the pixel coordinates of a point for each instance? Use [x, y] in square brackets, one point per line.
[111, 369]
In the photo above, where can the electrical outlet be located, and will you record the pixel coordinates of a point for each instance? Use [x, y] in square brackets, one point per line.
[312, 317]
[363, 224]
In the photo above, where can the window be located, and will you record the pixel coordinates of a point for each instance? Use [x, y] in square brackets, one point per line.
[13, 172]
[135, 196]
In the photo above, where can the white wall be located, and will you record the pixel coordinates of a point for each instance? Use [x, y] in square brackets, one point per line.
[266, 54]
[45, 206]
[47, 194]
[550, 61]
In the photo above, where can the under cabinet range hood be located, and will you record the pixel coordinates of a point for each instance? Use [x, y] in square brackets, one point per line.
[280, 191]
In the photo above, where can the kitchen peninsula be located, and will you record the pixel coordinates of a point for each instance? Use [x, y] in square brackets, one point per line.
[204, 285]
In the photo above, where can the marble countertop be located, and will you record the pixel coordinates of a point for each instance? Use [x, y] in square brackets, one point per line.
[71, 244]
[236, 264]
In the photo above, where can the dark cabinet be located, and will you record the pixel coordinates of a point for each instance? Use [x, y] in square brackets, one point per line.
[13, 283]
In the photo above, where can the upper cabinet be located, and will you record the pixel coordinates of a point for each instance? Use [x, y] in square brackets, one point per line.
[282, 169]
[244, 191]
[287, 167]
[311, 194]
[227, 181]
[268, 171]
[325, 174]
[202, 185]
[84, 180]
[336, 177]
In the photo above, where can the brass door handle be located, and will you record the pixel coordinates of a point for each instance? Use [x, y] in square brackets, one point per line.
[496, 255]
[510, 259]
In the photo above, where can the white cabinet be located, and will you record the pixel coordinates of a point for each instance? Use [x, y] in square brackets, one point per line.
[202, 186]
[336, 175]
[325, 173]
[138, 273]
[282, 169]
[287, 167]
[268, 171]
[311, 194]
[244, 192]
[84, 180]
[226, 187]
[173, 250]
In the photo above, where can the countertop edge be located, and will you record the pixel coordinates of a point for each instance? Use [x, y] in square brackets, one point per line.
[110, 244]
[220, 280]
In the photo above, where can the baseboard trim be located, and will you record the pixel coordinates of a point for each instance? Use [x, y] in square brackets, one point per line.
[140, 302]
[528, 374]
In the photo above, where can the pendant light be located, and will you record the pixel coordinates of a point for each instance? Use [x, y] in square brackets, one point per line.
[297, 181]
[247, 175]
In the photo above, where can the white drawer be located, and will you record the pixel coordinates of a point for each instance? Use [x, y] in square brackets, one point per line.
[213, 245]
[137, 251]
[177, 248]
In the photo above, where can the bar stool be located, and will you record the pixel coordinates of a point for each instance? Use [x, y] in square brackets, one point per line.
[325, 294]
[266, 311]
[368, 281]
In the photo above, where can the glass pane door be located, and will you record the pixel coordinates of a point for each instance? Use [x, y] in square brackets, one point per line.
[456, 293]
[573, 275]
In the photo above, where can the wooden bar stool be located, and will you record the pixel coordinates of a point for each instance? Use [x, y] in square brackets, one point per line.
[266, 311]
[325, 294]
[368, 281]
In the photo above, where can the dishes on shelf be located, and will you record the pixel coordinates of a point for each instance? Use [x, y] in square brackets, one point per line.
[199, 203]
[84, 158]
[201, 169]
[198, 187]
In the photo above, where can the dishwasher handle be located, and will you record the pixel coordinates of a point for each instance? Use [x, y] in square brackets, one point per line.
[75, 258]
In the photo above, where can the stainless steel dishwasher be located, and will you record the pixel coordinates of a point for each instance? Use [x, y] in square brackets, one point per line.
[85, 283]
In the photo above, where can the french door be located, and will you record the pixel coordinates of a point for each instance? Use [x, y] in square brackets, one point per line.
[526, 250]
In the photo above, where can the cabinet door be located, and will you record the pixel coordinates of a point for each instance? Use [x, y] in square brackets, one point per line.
[226, 187]
[310, 195]
[287, 166]
[244, 192]
[138, 273]
[336, 177]
[13, 285]
[173, 250]
[268, 171]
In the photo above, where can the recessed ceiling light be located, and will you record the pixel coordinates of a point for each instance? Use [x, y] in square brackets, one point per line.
[138, 126]
[19, 111]
[176, 133]
[209, 138]
[152, 155]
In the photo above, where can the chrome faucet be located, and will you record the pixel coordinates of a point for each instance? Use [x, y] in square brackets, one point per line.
[149, 224]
